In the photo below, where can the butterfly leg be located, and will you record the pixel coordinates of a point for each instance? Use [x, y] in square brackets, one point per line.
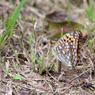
[59, 66]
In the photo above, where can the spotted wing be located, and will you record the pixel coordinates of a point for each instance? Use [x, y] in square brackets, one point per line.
[67, 48]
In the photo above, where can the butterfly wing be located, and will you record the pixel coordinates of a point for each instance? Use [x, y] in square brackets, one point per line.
[65, 50]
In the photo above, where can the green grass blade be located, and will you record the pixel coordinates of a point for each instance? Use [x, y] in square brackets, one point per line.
[61, 32]
[94, 16]
[69, 22]
[10, 23]
[90, 6]
[14, 53]
[90, 44]
[87, 14]
[35, 57]
[13, 17]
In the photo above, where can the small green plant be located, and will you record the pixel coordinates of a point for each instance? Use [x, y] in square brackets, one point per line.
[34, 34]
[9, 24]
[53, 65]
[69, 22]
[32, 39]
[90, 43]
[61, 32]
[6, 71]
[50, 54]
[90, 30]
[17, 76]
[90, 13]
[88, 10]
[11, 3]
[93, 85]
[15, 53]
[34, 58]
[68, 3]
[94, 16]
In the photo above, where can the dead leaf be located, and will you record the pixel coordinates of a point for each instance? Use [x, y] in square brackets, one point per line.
[58, 22]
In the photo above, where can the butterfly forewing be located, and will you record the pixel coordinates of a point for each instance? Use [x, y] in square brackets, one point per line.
[66, 49]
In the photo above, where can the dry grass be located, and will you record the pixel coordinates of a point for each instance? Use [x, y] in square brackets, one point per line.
[32, 83]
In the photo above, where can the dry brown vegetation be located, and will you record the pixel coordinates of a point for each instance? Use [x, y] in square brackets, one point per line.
[38, 80]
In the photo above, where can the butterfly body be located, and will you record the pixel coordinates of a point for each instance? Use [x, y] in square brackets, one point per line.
[67, 48]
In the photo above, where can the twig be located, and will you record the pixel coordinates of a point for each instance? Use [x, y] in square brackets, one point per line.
[53, 77]
[79, 75]
[66, 89]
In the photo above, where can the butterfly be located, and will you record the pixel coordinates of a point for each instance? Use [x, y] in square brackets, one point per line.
[67, 48]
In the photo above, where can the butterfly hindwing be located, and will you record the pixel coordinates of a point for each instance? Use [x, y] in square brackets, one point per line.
[66, 49]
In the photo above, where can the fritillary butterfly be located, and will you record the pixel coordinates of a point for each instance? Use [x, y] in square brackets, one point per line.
[67, 48]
